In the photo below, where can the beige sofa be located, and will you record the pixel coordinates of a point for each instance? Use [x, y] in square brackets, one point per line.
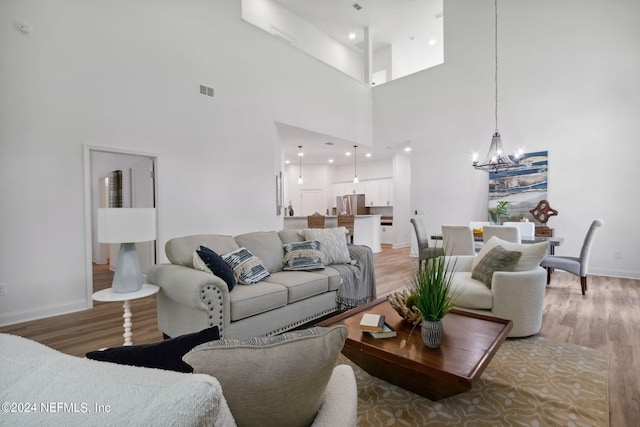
[191, 300]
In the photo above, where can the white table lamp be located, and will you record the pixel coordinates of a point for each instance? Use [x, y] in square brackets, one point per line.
[126, 226]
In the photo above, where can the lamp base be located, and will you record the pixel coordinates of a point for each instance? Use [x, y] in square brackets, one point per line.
[128, 275]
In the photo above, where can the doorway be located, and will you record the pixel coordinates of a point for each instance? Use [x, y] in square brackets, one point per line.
[138, 190]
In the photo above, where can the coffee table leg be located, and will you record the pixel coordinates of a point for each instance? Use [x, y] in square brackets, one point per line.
[127, 323]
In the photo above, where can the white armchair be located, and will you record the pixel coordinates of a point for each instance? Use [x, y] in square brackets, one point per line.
[517, 295]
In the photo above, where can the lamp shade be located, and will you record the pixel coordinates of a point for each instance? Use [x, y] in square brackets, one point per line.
[126, 225]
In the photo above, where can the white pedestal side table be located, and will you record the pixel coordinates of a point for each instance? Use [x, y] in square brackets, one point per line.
[108, 295]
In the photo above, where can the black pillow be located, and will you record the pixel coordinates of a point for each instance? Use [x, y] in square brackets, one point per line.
[218, 267]
[165, 354]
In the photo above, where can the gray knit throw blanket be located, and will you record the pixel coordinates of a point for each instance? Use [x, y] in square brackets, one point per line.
[358, 279]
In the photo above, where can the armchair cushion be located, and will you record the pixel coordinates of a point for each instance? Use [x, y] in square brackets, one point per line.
[272, 381]
[532, 254]
[497, 259]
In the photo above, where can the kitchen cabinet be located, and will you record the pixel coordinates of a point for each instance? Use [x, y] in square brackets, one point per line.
[385, 196]
[386, 234]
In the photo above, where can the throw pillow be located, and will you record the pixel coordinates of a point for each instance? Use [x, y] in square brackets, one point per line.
[497, 259]
[333, 244]
[272, 381]
[207, 260]
[303, 256]
[247, 268]
[532, 254]
[165, 354]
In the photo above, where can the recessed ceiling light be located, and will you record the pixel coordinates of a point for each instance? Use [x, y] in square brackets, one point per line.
[432, 42]
[286, 162]
[352, 36]
[348, 153]
[407, 149]
[368, 155]
[330, 160]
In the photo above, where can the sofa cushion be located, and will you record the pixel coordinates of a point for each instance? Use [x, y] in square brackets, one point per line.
[207, 260]
[304, 256]
[497, 259]
[247, 268]
[266, 245]
[531, 258]
[180, 250]
[300, 284]
[471, 293]
[333, 244]
[272, 381]
[247, 301]
[291, 235]
[333, 275]
[165, 354]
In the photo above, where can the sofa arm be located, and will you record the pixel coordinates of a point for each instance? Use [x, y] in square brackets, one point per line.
[340, 404]
[187, 290]
[519, 296]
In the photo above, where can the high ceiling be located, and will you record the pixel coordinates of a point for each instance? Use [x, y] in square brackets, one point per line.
[390, 21]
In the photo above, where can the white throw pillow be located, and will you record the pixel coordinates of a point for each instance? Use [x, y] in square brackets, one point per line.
[333, 244]
[532, 253]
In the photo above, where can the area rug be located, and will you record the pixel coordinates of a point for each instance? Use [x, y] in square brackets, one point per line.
[530, 382]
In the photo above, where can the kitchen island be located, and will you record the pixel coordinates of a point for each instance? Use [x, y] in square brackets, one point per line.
[366, 228]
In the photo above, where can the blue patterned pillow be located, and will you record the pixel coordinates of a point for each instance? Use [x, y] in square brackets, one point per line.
[247, 267]
[303, 256]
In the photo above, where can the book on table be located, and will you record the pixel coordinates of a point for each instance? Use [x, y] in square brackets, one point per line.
[387, 332]
[372, 322]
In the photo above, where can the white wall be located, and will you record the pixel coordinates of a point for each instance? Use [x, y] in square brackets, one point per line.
[568, 83]
[269, 15]
[126, 75]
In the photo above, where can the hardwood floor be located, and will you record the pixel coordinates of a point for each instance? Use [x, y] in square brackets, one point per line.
[607, 318]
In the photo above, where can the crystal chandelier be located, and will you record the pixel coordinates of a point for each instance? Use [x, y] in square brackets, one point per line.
[496, 160]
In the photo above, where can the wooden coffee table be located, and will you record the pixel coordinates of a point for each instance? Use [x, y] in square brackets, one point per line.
[470, 342]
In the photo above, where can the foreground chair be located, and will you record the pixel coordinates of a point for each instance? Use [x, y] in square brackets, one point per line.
[424, 251]
[510, 234]
[575, 265]
[458, 240]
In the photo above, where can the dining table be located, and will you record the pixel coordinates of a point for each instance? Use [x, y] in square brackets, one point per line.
[553, 241]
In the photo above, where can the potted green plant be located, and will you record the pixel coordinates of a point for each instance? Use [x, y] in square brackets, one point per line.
[430, 291]
[503, 208]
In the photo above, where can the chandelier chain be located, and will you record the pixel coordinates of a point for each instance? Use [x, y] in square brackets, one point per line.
[496, 61]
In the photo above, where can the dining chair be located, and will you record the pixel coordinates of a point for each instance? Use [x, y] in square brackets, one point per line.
[458, 240]
[510, 234]
[315, 220]
[424, 251]
[347, 221]
[475, 225]
[574, 265]
[527, 229]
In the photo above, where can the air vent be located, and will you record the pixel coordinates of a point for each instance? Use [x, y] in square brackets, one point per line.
[206, 90]
[356, 6]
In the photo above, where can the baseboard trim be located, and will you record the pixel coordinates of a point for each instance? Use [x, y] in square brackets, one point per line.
[43, 312]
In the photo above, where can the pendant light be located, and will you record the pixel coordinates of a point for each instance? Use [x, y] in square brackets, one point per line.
[300, 154]
[496, 160]
[355, 165]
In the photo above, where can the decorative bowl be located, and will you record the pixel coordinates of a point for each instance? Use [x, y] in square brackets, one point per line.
[398, 301]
